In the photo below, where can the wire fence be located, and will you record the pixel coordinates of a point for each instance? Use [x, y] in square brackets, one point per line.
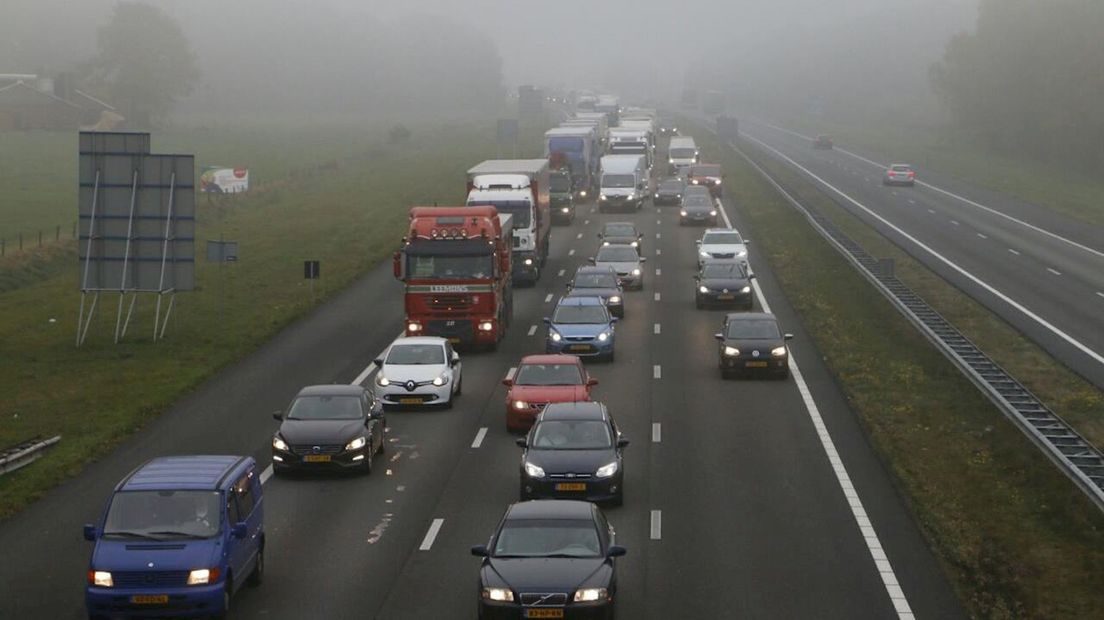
[29, 240]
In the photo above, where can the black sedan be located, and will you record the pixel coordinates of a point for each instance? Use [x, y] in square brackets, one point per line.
[549, 559]
[698, 210]
[724, 282]
[669, 192]
[573, 451]
[752, 342]
[329, 427]
[592, 281]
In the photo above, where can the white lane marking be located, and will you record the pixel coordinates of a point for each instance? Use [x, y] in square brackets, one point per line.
[658, 251]
[532, 329]
[1013, 251]
[655, 328]
[659, 271]
[911, 201]
[479, 437]
[659, 221]
[1099, 294]
[981, 236]
[657, 433]
[955, 222]
[656, 529]
[657, 296]
[1055, 272]
[571, 252]
[562, 271]
[659, 211]
[867, 179]
[894, 192]
[586, 222]
[431, 535]
[548, 298]
[870, 537]
[510, 373]
[266, 474]
[932, 211]
[955, 196]
[579, 236]
[657, 373]
[946, 261]
[657, 235]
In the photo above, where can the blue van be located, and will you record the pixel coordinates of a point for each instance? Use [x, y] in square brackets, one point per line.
[179, 536]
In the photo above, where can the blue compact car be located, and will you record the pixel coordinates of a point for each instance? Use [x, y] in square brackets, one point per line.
[179, 536]
[581, 326]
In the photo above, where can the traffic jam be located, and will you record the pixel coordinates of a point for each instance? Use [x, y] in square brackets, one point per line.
[554, 553]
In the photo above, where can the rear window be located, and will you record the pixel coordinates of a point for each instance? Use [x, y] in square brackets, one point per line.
[900, 168]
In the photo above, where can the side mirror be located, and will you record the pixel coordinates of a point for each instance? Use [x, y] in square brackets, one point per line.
[622, 442]
[90, 532]
[455, 357]
[480, 551]
[719, 337]
[639, 235]
[521, 442]
[643, 259]
[546, 321]
[787, 337]
[591, 382]
[375, 414]
[590, 260]
[240, 530]
[613, 320]
[599, 235]
[278, 416]
[378, 361]
[616, 551]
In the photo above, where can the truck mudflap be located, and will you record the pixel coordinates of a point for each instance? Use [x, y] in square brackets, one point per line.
[526, 267]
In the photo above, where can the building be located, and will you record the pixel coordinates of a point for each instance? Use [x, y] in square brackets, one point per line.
[29, 102]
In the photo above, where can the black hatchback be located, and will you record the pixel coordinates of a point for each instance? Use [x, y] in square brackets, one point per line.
[336, 427]
[724, 281]
[549, 559]
[753, 342]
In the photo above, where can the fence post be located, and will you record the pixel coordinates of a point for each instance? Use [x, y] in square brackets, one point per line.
[57, 233]
[39, 237]
[74, 230]
[21, 241]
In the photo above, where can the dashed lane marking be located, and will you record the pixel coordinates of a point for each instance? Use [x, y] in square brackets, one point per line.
[548, 298]
[479, 437]
[657, 373]
[532, 329]
[1054, 271]
[656, 528]
[571, 252]
[431, 535]
[561, 273]
[266, 474]
[656, 432]
[655, 328]
[1013, 251]
[659, 271]
[981, 236]
[657, 296]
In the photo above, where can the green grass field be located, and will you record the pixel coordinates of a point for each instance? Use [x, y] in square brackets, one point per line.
[1016, 538]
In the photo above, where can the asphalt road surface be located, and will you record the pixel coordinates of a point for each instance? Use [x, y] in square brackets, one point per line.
[1041, 271]
[744, 498]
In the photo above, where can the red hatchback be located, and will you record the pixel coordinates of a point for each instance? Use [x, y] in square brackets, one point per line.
[543, 379]
[708, 175]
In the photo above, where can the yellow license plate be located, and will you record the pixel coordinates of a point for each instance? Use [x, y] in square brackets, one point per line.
[579, 347]
[756, 364]
[454, 340]
[544, 613]
[571, 486]
[150, 599]
[410, 401]
[317, 458]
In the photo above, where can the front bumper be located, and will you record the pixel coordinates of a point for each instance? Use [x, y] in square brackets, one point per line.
[731, 298]
[590, 489]
[583, 348]
[563, 213]
[698, 218]
[489, 610]
[396, 394]
[525, 267]
[182, 602]
[303, 458]
[613, 203]
[746, 363]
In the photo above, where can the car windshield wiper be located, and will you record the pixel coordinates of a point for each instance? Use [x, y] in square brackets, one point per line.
[177, 534]
[129, 534]
[565, 555]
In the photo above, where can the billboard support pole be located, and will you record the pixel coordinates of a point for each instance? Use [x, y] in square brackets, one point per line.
[83, 332]
[164, 255]
[168, 312]
[130, 310]
[119, 329]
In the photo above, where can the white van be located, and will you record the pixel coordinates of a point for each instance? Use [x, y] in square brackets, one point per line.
[624, 183]
[682, 152]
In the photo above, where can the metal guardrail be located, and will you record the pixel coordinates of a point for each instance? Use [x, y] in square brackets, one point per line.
[23, 454]
[1065, 447]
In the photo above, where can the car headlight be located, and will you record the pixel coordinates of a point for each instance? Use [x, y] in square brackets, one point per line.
[382, 380]
[582, 193]
[713, 212]
[693, 181]
[631, 195]
[440, 379]
[657, 195]
[703, 254]
[635, 244]
[703, 289]
[671, 161]
[533, 471]
[606, 470]
[602, 197]
[682, 212]
[504, 595]
[357, 443]
[716, 182]
[486, 326]
[203, 576]
[555, 336]
[566, 209]
[528, 261]
[615, 299]
[778, 351]
[746, 289]
[733, 351]
[279, 443]
[605, 243]
[636, 272]
[101, 578]
[520, 404]
[584, 595]
[413, 327]
[604, 336]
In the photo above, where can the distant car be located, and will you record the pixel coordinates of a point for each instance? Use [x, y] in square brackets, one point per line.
[574, 451]
[549, 559]
[621, 233]
[561, 196]
[333, 427]
[180, 535]
[722, 243]
[625, 261]
[699, 191]
[725, 281]
[582, 326]
[708, 175]
[753, 342]
[823, 142]
[899, 174]
[668, 128]
[599, 281]
[540, 380]
[669, 192]
[698, 210]
[423, 370]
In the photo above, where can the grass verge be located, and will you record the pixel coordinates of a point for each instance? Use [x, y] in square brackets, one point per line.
[1016, 538]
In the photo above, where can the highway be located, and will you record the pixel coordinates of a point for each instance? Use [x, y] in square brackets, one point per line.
[745, 498]
[1041, 271]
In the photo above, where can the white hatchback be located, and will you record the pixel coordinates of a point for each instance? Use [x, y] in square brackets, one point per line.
[421, 370]
[722, 243]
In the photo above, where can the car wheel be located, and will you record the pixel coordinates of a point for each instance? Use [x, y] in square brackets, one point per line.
[368, 465]
[256, 578]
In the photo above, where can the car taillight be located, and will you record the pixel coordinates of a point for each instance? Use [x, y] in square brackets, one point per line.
[911, 174]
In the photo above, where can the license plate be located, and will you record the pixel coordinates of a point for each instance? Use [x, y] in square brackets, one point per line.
[410, 401]
[570, 486]
[579, 347]
[544, 613]
[726, 297]
[150, 599]
[756, 364]
[317, 458]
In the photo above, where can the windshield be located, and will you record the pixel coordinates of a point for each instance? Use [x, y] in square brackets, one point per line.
[595, 280]
[753, 329]
[572, 435]
[450, 267]
[722, 238]
[526, 538]
[548, 374]
[618, 180]
[619, 230]
[416, 354]
[705, 171]
[566, 144]
[162, 515]
[722, 270]
[671, 186]
[326, 408]
[559, 183]
[580, 315]
[683, 153]
[697, 201]
[617, 254]
[520, 209]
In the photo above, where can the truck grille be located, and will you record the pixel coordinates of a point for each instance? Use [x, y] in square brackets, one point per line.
[449, 302]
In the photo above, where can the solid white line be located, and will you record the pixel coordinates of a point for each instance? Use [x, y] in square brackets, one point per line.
[657, 296]
[656, 372]
[562, 271]
[951, 264]
[532, 329]
[981, 236]
[656, 432]
[431, 535]
[266, 474]
[1013, 251]
[657, 525]
[1055, 272]
[479, 437]
[548, 298]
[571, 252]
[655, 328]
